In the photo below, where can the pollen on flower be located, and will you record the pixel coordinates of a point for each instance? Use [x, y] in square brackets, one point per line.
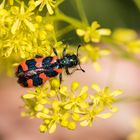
[56, 105]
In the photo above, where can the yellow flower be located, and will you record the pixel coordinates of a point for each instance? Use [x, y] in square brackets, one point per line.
[5, 23]
[2, 4]
[128, 39]
[134, 46]
[92, 33]
[104, 97]
[21, 16]
[50, 4]
[93, 53]
[60, 106]
[23, 42]
[124, 35]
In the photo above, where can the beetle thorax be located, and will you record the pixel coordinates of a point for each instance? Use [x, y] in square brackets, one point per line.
[69, 61]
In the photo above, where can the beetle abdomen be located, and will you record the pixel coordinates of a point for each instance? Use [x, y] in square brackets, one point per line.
[35, 72]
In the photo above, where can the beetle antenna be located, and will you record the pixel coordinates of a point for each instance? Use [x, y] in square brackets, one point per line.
[78, 49]
[77, 56]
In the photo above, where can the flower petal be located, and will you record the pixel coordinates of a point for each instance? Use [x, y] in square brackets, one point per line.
[80, 32]
[117, 92]
[95, 25]
[104, 31]
[105, 116]
[15, 26]
[2, 4]
[29, 25]
[97, 66]
[22, 11]
[28, 96]
[50, 9]
[75, 86]
[52, 128]
[43, 128]
[84, 123]
[71, 125]
[96, 87]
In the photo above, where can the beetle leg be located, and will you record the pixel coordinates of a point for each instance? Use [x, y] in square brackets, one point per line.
[60, 78]
[67, 71]
[55, 52]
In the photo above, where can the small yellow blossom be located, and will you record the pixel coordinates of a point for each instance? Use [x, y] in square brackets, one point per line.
[50, 5]
[134, 46]
[124, 35]
[93, 33]
[105, 97]
[93, 53]
[20, 15]
[67, 108]
[127, 39]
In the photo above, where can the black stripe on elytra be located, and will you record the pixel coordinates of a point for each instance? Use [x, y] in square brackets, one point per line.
[31, 64]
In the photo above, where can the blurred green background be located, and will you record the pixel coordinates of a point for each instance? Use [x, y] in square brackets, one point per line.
[109, 13]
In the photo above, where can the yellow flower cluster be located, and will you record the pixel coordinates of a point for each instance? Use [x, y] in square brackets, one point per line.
[136, 134]
[93, 53]
[28, 30]
[128, 39]
[25, 32]
[59, 106]
[92, 33]
[50, 4]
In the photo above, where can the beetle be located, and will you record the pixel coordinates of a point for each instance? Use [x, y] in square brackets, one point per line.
[36, 71]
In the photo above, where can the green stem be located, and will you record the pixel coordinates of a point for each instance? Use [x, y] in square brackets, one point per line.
[63, 31]
[129, 99]
[81, 11]
[19, 2]
[137, 3]
[72, 21]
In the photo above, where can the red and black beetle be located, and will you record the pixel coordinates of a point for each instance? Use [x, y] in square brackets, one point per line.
[36, 71]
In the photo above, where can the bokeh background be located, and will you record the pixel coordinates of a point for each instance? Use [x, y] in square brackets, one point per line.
[116, 73]
[109, 13]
